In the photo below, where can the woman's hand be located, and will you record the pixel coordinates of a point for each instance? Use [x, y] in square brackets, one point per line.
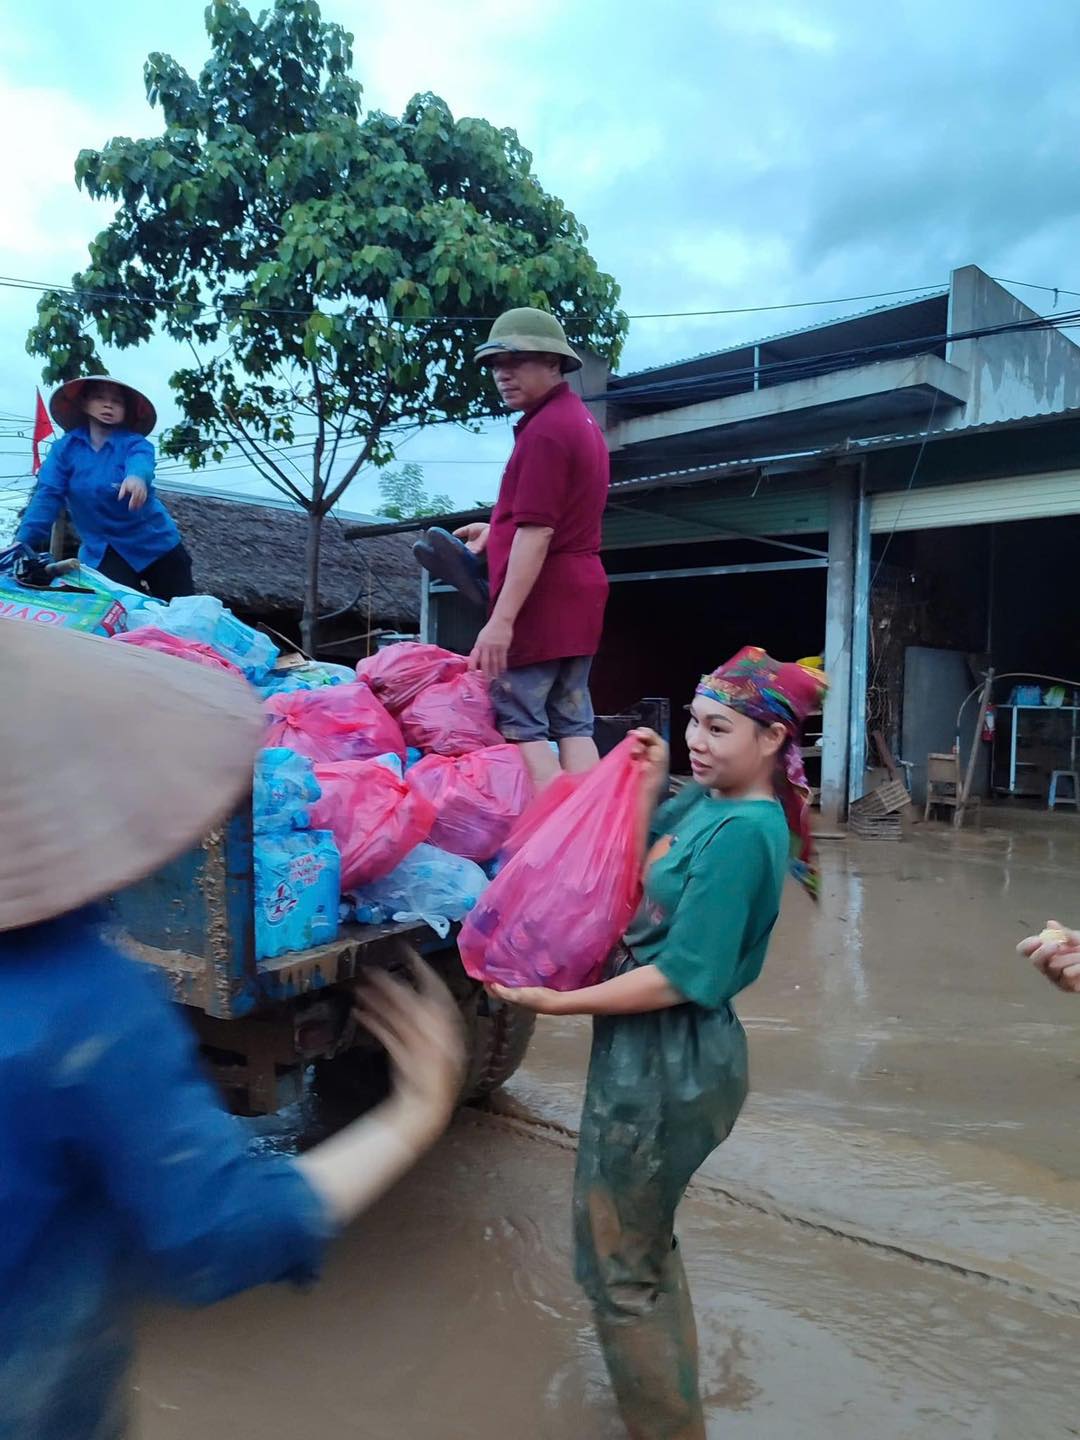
[535, 997]
[134, 491]
[654, 757]
[1056, 952]
[475, 536]
[421, 1032]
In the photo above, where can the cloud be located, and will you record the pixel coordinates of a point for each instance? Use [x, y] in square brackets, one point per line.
[719, 154]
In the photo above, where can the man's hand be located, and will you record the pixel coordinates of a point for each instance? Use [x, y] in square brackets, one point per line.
[536, 998]
[475, 537]
[492, 648]
[134, 491]
[1056, 952]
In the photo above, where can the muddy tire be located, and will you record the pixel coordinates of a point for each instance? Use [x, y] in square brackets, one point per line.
[499, 1036]
[496, 1037]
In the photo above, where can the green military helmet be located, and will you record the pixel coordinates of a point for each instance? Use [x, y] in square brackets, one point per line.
[527, 331]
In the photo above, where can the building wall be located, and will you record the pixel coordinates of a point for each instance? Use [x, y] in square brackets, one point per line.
[1015, 375]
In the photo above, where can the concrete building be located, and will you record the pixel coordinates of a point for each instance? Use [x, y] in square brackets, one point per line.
[791, 444]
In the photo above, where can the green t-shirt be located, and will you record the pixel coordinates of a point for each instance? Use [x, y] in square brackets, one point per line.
[713, 894]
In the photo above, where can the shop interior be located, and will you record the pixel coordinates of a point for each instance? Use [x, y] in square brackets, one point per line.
[948, 604]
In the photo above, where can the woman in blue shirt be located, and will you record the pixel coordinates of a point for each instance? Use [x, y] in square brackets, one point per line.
[102, 471]
[120, 1174]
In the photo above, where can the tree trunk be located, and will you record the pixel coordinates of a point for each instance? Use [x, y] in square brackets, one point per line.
[309, 620]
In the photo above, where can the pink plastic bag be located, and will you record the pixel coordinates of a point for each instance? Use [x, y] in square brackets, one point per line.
[554, 914]
[452, 718]
[399, 673]
[540, 811]
[337, 722]
[477, 798]
[375, 818]
[151, 638]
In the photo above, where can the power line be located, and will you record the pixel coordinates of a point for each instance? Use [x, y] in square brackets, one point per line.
[238, 303]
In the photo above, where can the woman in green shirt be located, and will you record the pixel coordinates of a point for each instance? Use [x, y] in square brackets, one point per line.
[668, 1072]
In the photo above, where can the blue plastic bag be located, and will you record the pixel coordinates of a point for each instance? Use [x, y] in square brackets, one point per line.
[428, 885]
[312, 676]
[297, 891]
[285, 788]
[204, 618]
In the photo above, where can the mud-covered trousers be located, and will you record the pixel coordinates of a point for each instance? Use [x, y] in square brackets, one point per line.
[664, 1089]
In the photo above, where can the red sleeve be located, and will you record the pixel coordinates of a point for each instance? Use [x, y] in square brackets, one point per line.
[542, 482]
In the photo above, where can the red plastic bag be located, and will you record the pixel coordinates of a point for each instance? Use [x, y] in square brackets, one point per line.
[399, 673]
[375, 818]
[151, 638]
[336, 722]
[554, 914]
[453, 718]
[477, 798]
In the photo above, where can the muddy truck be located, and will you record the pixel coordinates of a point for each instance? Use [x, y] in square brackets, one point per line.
[262, 1024]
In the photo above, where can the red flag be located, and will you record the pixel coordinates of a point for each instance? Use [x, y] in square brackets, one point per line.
[43, 430]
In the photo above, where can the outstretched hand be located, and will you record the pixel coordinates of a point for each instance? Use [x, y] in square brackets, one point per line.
[1056, 952]
[134, 491]
[421, 1031]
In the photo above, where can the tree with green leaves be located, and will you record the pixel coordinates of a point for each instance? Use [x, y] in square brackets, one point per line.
[328, 271]
[402, 495]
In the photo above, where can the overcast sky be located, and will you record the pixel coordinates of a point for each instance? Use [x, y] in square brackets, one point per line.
[720, 154]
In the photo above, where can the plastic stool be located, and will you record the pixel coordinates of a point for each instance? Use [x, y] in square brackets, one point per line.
[1055, 799]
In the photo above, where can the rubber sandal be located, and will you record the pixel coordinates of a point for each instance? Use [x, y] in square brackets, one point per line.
[447, 558]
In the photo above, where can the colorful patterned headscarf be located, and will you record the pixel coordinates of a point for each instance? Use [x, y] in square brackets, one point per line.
[772, 691]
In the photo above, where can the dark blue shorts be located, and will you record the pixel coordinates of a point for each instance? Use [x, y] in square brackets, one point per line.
[549, 701]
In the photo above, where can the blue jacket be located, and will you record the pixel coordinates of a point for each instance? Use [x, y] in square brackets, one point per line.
[86, 481]
[120, 1174]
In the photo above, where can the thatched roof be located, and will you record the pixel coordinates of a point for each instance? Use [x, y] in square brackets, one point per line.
[252, 557]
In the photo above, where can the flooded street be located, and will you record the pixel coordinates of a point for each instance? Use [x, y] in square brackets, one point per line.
[888, 1245]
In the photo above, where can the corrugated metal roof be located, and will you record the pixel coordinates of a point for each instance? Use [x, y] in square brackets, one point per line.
[977, 502]
[697, 474]
[917, 299]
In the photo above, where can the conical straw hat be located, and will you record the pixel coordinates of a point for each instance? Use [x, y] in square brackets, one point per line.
[113, 760]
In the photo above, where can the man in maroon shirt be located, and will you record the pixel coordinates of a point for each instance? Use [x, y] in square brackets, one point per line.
[548, 587]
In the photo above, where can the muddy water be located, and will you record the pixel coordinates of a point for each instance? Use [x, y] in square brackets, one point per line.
[449, 1313]
[913, 1080]
[886, 1247]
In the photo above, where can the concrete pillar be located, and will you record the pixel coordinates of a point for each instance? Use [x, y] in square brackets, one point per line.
[592, 379]
[860, 645]
[839, 608]
[427, 610]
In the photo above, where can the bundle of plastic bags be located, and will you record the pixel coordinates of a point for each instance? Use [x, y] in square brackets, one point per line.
[149, 637]
[400, 672]
[285, 790]
[428, 885]
[554, 913]
[311, 675]
[373, 815]
[297, 870]
[336, 722]
[297, 890]
[204, 619]
[476, 798]
[72, 601]
[453, 717]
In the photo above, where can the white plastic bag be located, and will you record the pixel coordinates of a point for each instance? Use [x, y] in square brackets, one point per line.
[428, 885]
